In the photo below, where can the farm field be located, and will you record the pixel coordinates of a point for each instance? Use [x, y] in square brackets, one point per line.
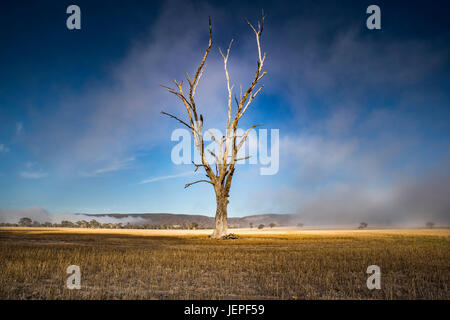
[262, 264]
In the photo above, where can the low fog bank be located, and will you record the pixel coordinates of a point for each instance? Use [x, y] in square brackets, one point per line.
[343, 216]
[41, 215]
[409, 203]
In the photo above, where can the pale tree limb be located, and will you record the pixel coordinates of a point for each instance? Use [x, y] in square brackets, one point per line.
[197, 166]
[244, 137]
[179, 120]
[248, 96]
[195, 126]
[190, 184]
[244, 158]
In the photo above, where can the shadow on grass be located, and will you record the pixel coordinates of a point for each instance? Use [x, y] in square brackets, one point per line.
[92, 239]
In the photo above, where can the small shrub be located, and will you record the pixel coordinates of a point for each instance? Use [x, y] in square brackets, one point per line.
[230, 236]
[363, 225]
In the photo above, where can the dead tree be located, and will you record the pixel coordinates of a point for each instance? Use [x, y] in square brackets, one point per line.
[228, 146]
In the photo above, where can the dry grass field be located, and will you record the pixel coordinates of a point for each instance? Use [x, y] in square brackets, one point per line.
[261, 264]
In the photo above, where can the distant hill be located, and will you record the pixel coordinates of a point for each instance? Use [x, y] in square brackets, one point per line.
[203, 221]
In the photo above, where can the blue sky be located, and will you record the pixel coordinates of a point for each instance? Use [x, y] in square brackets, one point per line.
[363, 114]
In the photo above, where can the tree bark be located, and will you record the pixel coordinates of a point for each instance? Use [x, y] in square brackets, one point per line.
[221, 217]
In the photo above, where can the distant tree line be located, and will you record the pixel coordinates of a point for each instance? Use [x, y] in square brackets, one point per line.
[94, 224]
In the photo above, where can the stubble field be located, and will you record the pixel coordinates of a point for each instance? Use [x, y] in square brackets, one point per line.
[261, 264]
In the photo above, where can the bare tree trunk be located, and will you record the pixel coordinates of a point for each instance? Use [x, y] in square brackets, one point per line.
[221, 216]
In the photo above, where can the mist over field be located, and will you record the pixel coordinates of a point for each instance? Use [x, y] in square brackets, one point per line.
[409, 203]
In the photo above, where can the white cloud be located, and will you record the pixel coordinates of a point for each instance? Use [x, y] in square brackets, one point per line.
[30, 164]
[33, 174]
[110, 167]
[313, 156]
[184, 174]
[19, 128]
[3, 148]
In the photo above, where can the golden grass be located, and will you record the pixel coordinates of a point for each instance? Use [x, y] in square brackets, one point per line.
[262, 264]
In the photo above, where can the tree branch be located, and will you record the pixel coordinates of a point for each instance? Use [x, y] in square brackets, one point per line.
[190, 184]
[179, 120]
[244, 137]
[197, 166]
